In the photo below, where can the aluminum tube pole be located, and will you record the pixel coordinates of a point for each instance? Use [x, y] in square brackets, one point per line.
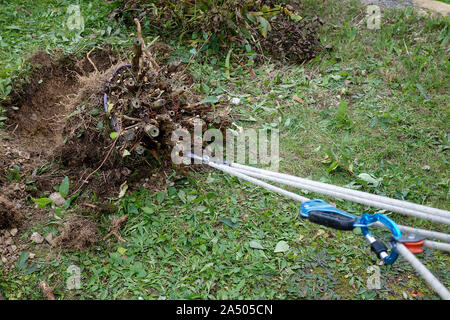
[357, 193]
[436, 245]
[426, 233]
[263, 184]
[349, 197]
[424, 272]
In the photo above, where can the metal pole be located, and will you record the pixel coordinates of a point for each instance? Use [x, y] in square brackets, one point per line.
[347, 196]
[436, 245]
[356, 193]
[426, 233]
[424, 272]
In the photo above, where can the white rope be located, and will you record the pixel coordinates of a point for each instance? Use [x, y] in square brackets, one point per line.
[424, 272]
[268, 186]
[426, 233]
[350, 192]
[349, 197]
[436, 245]
[407, 229]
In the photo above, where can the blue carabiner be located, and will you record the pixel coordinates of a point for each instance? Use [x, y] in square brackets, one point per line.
[377, 246]
[320, 212]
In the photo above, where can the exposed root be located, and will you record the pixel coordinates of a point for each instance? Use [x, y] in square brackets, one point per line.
[47, 291]
[92, 63]
[117, 223]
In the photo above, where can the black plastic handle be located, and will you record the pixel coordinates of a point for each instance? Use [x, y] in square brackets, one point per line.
[378, 247]
[332, 220]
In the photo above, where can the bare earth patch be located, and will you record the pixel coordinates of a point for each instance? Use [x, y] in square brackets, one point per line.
[37, 117]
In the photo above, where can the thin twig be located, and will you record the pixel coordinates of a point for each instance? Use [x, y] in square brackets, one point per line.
[130, 118]
[132, 126]
[144, 49]
[89, 59]
[117, 223]
[139, 32]
[406, 47]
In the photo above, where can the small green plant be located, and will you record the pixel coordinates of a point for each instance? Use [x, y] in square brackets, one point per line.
[342, 118]
[42, 202]
[63, 190]
[2, 117]
[64, 187]
[24, 266]
[5, 88]
[14, 173]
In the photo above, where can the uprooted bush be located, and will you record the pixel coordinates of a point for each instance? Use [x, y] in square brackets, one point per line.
[258, 26]
[124, 117]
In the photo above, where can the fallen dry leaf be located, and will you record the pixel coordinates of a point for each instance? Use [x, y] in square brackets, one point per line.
[47, 292]
[117, 223]
[297, 98]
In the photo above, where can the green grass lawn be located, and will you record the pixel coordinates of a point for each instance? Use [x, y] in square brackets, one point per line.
[376, 103]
